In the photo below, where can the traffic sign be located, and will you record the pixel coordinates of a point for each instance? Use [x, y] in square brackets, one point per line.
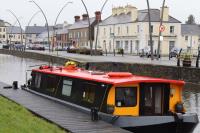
[162, 28]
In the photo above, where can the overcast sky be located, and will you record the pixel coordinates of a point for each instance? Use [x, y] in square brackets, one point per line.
[179, 9]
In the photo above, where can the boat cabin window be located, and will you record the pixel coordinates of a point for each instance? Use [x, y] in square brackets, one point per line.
[126, 96]
[37, 80]
[50, 83]
[67, 87]
[89, 92]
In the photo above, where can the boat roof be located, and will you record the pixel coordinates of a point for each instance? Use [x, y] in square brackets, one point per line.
[115, 78]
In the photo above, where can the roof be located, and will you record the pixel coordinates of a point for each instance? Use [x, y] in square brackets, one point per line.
[62, 31]
[82, 24]
[190, 29]
[104, 78]
[142, 17]
[14, 30]
[37, 29]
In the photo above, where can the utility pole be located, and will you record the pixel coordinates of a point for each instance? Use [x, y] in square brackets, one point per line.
[160, 32]
[45, 20]
[18, 23]
[97, 33]
[150, 31]
[29, 25]
[56, 23]
[89, 27]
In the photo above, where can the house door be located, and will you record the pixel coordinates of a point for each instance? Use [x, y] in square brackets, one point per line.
[154, 99]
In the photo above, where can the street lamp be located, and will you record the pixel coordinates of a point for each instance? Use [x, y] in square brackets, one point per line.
[160, 32]
[70, 2]
[89, 28]
[18, 23]
[97, 34]
[45, 20]
[29, 24]
[150, 31]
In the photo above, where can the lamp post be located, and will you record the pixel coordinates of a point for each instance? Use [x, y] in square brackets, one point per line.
[160, 32]
[70, 2]
[89, 27]
[45, 20]
[97, 33]
[150, 31]
[18, 23]
[29, 25]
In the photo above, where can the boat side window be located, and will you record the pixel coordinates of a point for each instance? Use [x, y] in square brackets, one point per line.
[89, 92]
[37, 80]
[67, 87]
[126, 96]
[51, 83]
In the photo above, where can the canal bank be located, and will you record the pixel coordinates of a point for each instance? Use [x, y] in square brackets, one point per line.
[188, 74]
[13, 68]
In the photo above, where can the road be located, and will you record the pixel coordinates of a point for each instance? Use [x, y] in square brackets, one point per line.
[118, 58]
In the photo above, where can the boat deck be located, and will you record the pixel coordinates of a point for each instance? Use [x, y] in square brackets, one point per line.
[58, 113]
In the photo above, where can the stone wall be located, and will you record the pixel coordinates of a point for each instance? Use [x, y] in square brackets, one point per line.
[170, 72]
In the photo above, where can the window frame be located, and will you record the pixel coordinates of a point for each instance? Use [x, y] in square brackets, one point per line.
[66, 79]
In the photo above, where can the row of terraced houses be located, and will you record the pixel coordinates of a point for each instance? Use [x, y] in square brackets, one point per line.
[126, 28]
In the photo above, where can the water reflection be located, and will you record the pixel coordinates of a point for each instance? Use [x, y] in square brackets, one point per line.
[14, 69]
[191, 98]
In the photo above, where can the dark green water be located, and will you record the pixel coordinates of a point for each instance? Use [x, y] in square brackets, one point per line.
[14, 69]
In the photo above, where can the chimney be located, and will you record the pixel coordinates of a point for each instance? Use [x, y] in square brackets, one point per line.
[114, 11]
[133, 11]
[77, 18]
[98, 15]
[165, 13]
[85, 16]
[35, 24]
[120, 10]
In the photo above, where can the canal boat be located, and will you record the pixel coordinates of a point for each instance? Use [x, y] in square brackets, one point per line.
[136, 103]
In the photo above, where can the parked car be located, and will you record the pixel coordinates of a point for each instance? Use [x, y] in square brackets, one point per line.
[37, 47]
[174, 52]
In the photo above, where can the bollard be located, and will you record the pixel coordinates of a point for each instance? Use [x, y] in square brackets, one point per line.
[15, 85]
[94, 114]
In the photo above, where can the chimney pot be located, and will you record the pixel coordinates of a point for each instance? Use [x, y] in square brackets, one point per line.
[77, 18]
[98, 15]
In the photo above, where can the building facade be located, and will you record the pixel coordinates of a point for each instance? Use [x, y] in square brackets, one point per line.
[190, 37]
[127, 28]
[2, 32]
[14, 36]
[79, 31]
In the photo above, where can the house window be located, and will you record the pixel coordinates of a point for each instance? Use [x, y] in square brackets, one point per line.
[171, 29]
[149, 44]
[4, 29]
[110, 31]
[67, 87]
[126, 96]
[118, 30]
[89, 92]
[127, 29]
[126, 46]
[152, 29]
[104, 31]
[4, 36]
[78, 35]
[186, 38]
[86, 34]
[37, 80]
[138, 29]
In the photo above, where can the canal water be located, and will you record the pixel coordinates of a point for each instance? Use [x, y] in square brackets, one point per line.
[14, 69]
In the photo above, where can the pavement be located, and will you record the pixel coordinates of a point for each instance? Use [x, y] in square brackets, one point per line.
[117, 58]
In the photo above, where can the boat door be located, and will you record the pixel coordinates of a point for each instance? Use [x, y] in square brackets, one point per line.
[154, 99]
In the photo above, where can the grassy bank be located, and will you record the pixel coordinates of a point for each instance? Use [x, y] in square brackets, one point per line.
[16, 119]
